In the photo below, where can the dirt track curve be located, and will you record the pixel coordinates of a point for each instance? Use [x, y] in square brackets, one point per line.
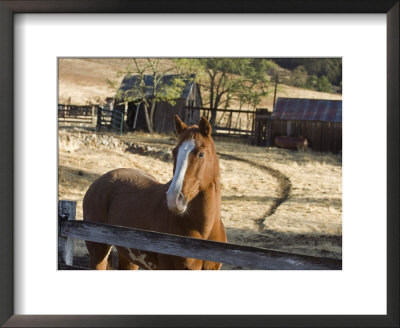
[285, 185]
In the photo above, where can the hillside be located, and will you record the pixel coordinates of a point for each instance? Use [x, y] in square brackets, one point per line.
[83, 81]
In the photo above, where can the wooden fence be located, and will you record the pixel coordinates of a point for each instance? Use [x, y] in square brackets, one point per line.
[229, 122]
[93, 115]
[76, 115]
[110, 119]
[239, 255]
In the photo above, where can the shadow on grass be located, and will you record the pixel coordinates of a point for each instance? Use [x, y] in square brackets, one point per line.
[76, 174]
[313, 244]
[335, 202]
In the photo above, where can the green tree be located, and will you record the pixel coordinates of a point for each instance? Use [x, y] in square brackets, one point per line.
[323, 84]
[226, 79]
[331, 67]
[312, 82]
[299, 76]
[158, 91]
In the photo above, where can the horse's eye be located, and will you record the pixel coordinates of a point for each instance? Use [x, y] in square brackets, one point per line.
[201, 154]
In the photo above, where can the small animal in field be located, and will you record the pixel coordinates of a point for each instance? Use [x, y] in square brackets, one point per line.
[298, 143]
[188, 205]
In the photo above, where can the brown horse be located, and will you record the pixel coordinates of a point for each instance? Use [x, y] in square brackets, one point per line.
[188, 205]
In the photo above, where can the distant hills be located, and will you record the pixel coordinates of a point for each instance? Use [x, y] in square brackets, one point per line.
[320, 74]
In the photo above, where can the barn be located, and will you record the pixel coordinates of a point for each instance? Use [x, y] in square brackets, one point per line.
[318, 120]
[164, 112]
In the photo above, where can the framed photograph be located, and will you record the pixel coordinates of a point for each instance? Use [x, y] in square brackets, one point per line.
[44, 42]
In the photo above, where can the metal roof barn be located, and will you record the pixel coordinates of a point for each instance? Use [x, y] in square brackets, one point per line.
[318, 120]
[164, 111]
[308, 110]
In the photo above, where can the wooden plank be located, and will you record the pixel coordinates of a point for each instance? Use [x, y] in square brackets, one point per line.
[223, 110]
[93, 115]
[62, 266]
[76, 121]
[263, 117]
[334, 137]
[317, 140]
[329, 133]
[66, 212]
[99, 120]
[268, 140]
[232, 129]
[246, 256]
[74, 110]
[312, 128]
[323, 137]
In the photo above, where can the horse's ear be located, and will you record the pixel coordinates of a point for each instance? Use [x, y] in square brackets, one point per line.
[179, 125]
[205, 127]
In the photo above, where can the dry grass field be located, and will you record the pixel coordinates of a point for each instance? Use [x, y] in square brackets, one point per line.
[272, 198]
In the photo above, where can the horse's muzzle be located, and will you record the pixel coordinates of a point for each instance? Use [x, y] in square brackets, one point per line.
[176, 202]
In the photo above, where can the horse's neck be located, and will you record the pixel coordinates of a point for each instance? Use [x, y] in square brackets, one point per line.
[206, 207]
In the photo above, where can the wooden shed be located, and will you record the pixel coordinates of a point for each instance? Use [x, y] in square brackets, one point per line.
[318, 120]
[164, 112]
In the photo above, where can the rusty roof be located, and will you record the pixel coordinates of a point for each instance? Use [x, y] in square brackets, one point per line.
[307, 110]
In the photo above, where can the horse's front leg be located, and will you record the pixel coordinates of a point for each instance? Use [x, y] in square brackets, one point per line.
[170, 262]
[133, 258]
[98, 255]
[192, 264]
[208, 265]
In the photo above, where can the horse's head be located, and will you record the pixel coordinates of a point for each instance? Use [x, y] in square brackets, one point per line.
[195, 164]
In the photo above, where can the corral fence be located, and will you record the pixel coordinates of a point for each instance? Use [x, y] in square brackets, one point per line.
[256, 126]
[253, 125]
[110, 119]
[91, 115]
[229, 122]
[244, 256]
[77, 115]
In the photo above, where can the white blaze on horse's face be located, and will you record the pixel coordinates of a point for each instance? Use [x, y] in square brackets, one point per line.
[175, 199]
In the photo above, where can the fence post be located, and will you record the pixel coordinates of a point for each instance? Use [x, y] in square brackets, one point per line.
[93, 115]
[98, 126]
[254, 127]
[121, 127]
[66, 211]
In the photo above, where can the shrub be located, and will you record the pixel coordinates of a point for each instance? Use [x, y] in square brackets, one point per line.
[323, 84]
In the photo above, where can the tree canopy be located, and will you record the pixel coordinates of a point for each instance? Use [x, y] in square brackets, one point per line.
[224, 80]
[329, 67]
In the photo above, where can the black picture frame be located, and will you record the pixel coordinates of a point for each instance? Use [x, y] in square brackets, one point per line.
[10, 7]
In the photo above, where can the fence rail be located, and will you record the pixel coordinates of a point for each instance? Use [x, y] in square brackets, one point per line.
[111, 119]
[75, 110]
[240, 255]
[75, 114]
[230, 122]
